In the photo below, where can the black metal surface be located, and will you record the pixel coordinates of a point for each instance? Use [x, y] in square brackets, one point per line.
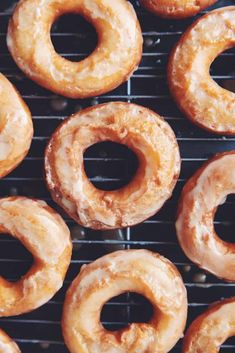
[108, 167]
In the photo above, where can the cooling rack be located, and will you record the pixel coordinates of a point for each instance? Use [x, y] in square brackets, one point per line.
[110, 166]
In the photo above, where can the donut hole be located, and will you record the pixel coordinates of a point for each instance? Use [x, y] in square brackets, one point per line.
[224, 219]
[109, 165]
[224, 65]
[73, 37]
[125, 309]
[16, 260]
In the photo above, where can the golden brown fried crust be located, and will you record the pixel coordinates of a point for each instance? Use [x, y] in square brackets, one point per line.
[211, 329]
[116, 56]
[176, 9]
[200, 198]
[199, 97]
[143, 131]
[43, 232]
[16, 127]
[139, 271]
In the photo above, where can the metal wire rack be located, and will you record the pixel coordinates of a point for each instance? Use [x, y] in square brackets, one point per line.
[109, 166]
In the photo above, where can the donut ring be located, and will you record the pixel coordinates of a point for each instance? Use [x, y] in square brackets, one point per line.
[143, 131]
[116, 56]
[201, 196]
[139, 271]
[7, 345]
[16, 127]
[176, 9]
[211, 329]
[43, 232]
[202, 100]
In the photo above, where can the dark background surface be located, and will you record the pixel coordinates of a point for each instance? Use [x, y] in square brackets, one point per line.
[109, 167]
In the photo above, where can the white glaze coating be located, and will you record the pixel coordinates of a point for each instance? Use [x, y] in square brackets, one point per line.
[139, 128]
[138, 271]
[198, 95]
[16, 128]
[210, 330]
[116, 56]
[45, 235]
[195, 229]
[176, 8]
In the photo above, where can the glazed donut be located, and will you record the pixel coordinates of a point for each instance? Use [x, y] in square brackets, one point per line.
[176, 9]
[211, 329]
[43, 232]
[201, 196]
[202, 100]
[143, 131]
[7, 345]
[116, 56]
[139, 271]
[16, 127]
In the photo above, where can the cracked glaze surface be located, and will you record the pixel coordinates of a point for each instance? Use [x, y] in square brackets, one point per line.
[117, 55]
[43, 232]
[16, 127]
[176, 8]
[143, 131]
[139, 271]
[7, 345]
[197, 94]
[201, 196]
[210, 330]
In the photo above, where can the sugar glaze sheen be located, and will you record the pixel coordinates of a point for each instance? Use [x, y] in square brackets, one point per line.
[139, 271]
[203, 193]
[16, 127]
[116, 56]
[199, 97]
[7, 345]
[43, 232]
[211, 329]
[140, 129]
[176, 9]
